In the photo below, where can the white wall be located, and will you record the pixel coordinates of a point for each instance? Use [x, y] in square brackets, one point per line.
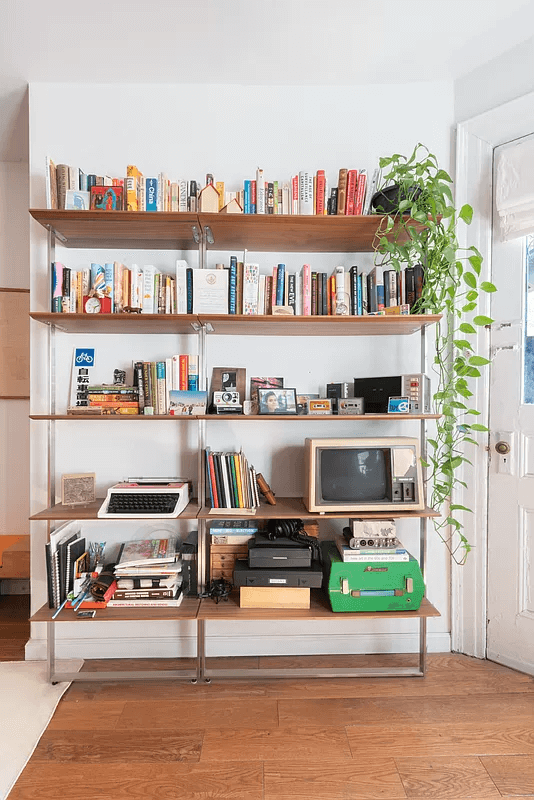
[14, 422]
[506, 77]
[188, 131]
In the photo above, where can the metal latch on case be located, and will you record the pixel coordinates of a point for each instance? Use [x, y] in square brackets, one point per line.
[344, 585]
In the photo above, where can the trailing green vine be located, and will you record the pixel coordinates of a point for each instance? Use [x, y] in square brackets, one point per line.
[422, 230]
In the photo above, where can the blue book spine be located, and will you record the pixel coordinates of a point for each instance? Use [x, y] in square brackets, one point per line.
[360, 296]
[380, 296]
[151, 193]
[189, 289]
[97, 278]
[280, 284]
[232, 286]
[91, 181]
[246, 197]
[109, 287]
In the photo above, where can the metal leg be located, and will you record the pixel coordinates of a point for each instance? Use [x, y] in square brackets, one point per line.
[201, 651]
[50, 651]
[422, 644]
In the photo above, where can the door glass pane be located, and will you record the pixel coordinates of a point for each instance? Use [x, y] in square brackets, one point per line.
[528, 385]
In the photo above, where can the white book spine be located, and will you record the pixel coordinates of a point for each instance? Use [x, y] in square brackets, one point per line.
[182, 196]
[341, 308]
[149, 273]
[261, 295]
[286, 199]
[168, 382]
[260, 192]
[251, 280]
[175, 372]
[371, 189]
[305, 193]
[181, 287]
[298, 294]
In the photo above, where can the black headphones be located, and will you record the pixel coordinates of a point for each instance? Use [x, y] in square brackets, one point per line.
[293, 529]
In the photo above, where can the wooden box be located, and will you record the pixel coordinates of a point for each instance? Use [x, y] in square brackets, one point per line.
[223, 558]
[273, 597]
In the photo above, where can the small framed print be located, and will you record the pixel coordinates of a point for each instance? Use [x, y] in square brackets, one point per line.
[277, 401]
[79, 489]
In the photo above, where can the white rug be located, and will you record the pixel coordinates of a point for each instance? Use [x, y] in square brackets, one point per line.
[27, 703]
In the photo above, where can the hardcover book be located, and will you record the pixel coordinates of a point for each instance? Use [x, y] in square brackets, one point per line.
[107, 198]
[146, 552]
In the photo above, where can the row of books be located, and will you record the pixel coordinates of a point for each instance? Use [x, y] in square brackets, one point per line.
[148, 573]
[232, 482]
[305, 193]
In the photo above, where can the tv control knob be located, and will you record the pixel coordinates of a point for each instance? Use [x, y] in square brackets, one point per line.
[503, 448]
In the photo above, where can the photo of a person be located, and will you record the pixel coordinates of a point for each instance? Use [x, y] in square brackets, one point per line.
[277, 401]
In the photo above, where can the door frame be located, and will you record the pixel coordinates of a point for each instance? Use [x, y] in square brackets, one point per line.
[476, 139]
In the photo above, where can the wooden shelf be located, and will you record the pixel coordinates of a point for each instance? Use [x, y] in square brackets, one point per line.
[240, 417]
[391, 325]
[294, 508]
[319, 609]
[130, 230]
[187, 610]
[90, 511]
[135, 230]
[118, 323]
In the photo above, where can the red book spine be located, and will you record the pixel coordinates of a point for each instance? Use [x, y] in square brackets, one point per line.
[253, 196]
[360, 192]
[183, 372]
[352, 179]
[295, 194]
[319, 206]
[112, 588]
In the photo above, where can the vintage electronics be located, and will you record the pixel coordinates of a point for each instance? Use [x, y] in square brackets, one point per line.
[266, 553]
[158, 500]
[350, 405]
[227, 402]
[320, 407]
[376, 586]
[189, 553]
[311, 577]
[371, 533]
[377, 391]
[363, 474]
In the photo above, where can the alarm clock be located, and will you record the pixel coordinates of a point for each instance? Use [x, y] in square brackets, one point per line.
[92, 305]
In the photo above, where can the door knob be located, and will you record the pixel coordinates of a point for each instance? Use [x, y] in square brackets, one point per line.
[503, 448]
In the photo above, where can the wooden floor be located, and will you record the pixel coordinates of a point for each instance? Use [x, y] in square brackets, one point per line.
[14, 626]
[466, 730]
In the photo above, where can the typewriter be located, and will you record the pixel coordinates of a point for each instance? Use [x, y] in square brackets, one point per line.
[158, 498]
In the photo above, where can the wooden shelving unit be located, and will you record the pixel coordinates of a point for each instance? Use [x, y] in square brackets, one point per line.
[185, 231]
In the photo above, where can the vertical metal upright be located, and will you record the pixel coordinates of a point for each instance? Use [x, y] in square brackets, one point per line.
[201, 472]
[423, 521]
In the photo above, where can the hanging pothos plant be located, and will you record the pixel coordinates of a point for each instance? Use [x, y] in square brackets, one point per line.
[419, 227]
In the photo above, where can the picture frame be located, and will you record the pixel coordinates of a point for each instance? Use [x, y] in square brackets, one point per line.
[187, 403]
[277, 401]
[262, 383]
[78, 489]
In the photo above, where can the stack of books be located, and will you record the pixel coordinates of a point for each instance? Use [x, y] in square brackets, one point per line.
[228, 531]
[231, 482]
[148, 573]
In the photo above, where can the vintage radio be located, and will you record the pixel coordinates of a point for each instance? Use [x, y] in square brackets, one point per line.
[377, 391]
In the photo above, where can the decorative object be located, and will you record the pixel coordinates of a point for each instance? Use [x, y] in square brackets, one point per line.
[277, 401]
[78, 489]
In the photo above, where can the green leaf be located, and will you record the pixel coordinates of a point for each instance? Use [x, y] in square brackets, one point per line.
[455, 507]
[482, 320]
[424, 463]
[471, 296]
[470, 279]
[456, 404]
[463, 343]
[476, 263]
[466, 214]
[468, 307]
[486, 286]
[473, 411]
[478, 361]
[477, 427]
[466, 327]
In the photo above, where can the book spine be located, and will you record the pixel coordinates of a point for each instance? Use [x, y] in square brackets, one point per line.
[365, 302]
[294, 194]
[320, 189]
[162, 390]
[270, 198]
[291, 292]
[306, 290]
[260, 192]
[183, 372]
[352, 177]
[252, 197]
[409, 279]
[360, 192]
[139, 382]
[268, 308]
[339, 273]
[353, 290]
[313, 294]
[280, 284]
[319, 308]
[232, 286]
[341, 191]
[109, 286]
[182, 195]
[57, 286]
[371, 191]
[192, 376]
[152, 190]
[305, 192]
[246, 196]
[250, 288]
[149, 275]
[189, 289]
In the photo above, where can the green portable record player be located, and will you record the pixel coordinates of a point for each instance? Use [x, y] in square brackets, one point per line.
[371, 586]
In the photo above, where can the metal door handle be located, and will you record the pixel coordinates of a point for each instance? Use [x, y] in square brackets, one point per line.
[503, 448]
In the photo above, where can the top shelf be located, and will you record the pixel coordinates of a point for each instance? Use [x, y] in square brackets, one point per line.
[142, 230]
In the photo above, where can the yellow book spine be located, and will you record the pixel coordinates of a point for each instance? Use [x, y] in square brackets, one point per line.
[239, 479]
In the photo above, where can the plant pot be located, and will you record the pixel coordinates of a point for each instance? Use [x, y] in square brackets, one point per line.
[387, 200]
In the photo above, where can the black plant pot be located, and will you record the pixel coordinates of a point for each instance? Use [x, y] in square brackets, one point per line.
[387, 200]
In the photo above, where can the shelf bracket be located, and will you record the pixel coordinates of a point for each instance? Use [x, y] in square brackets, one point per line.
[62, 239]
[196, 233]
[209, 235]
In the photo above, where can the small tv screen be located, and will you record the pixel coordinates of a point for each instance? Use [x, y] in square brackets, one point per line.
[355, 475]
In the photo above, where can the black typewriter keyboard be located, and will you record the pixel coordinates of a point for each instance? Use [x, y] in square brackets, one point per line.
[150, 504]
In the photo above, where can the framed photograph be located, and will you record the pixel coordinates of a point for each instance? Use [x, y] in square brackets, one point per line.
[262, 383]
[107, 198]
[188, 404]
[277, 401]
[79, 489]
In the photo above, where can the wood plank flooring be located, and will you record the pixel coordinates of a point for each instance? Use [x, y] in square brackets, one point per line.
[466, 730]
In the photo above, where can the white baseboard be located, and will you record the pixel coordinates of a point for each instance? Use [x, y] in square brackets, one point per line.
[513, 663]
[276, 645]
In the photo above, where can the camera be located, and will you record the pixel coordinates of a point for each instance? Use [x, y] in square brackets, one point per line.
[227, 402]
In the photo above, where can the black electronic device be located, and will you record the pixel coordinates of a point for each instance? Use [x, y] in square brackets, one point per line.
[264, 553]
[188, 553]
[377, 391]
[310, 577]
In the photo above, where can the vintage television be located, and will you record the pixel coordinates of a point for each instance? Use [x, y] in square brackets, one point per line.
[363, 474]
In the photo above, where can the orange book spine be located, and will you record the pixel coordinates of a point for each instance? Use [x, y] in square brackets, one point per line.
[238, 479]
[352, 180]
[183, 372]
[213, 482]
[319, 196]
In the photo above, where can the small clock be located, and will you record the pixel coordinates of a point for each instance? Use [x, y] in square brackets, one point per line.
[92, 305]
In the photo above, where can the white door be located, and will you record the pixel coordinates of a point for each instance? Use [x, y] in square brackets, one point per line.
[510, 627]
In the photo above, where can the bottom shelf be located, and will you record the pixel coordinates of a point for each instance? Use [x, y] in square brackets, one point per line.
[319, 609]
[187, 610]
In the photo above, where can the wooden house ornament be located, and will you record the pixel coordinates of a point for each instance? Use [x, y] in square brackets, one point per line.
[208, 200]
[232, 207]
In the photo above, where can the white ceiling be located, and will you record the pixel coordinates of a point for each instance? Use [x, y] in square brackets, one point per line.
[244, 41]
